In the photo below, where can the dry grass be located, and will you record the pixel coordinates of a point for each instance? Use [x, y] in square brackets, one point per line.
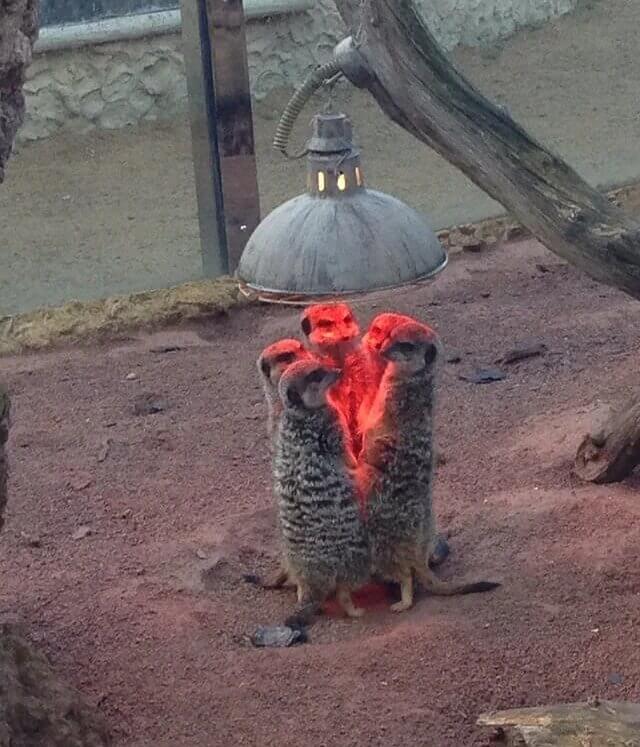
[77, 321]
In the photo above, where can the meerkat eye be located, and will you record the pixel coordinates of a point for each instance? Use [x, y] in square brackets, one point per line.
[285, 358]
[404, 347]
[315, 377]
[294, 398]
[430, 354]
[265, 367]
[306, 326]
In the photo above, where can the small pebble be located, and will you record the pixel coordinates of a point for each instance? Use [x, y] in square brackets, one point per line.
[484, 376]
[81, 533]
[277, 636]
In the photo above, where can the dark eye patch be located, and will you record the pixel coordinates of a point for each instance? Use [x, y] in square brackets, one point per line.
[404, 347]
[430, 354]
[348, 319]
[294, 398]
[315, 377]
[285, 358]
[265, 367]
[306, 326]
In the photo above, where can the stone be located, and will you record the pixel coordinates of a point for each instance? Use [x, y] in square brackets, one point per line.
[36, 706]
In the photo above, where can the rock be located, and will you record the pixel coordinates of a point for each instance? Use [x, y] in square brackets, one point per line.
[484, 376]
[454, 358]
[522, 351]
[81, 533]
[615, 678]
[149, 404]
[514, 231]
[38, 709]
[277, 636]
[473, 244]
[30, 540]
[131, 376]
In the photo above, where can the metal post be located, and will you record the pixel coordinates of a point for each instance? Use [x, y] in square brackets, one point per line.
[235, 124]
[197, 57]
[222, 129]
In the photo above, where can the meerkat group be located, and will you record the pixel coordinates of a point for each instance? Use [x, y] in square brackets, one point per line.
[350, 425]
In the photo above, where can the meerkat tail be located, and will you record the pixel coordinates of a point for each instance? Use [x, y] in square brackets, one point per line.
[445, 588]
[303, 615]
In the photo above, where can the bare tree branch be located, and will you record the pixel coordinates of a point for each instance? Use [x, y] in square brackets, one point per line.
[416, 85]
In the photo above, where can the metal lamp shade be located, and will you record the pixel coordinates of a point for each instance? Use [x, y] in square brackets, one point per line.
[340, 238]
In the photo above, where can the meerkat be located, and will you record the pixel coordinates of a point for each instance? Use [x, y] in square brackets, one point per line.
[397, 466]
[380, 328]
[5, 424]
[332, 331]
[272, 362]
[324, 538]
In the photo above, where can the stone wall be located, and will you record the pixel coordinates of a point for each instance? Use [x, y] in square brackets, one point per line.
[118, 84]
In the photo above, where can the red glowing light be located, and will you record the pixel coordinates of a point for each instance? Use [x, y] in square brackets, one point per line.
[332, 333]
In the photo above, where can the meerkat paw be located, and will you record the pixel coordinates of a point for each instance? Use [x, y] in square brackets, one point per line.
[401, 606]
[345, 601]
[406, 592]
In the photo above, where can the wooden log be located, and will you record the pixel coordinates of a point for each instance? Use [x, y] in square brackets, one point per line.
[612, 452]
[418, 88]
[596, 723]
[18, 32]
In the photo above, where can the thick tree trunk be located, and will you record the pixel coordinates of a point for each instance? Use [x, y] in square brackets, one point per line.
[18, 32]
[417, 86]
[612, 452]
[596, 724]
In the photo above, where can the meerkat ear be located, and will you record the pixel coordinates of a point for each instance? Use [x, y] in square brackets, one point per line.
[306, 326]
[265, 367]
[294, 398]
[431, 353]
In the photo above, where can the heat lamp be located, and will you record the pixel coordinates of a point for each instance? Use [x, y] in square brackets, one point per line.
[339, 238]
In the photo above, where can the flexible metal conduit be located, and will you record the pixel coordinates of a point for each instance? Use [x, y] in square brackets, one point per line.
[145, 24]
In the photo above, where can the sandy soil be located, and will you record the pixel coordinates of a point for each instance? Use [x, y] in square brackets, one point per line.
[104, 213]
[148, 615]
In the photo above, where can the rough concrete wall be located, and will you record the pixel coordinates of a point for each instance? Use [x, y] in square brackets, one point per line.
[114, 85]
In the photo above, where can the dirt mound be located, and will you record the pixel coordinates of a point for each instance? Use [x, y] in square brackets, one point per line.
[36, 707]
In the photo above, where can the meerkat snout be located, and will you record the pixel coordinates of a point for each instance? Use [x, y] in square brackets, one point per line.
[307, 383]
[411, 347]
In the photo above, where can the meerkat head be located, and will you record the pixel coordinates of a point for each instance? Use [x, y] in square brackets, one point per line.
[411, 347]
[330, 329]
[275, 358]
[306, 384]
[380, 328]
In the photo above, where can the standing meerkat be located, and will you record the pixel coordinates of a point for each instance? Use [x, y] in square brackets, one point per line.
[272, 362]
[380, 328]
[397, 466]
[324, 538]
[5, 424]
[332, 331]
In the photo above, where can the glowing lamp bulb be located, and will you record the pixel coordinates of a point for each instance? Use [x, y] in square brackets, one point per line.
[339, 238]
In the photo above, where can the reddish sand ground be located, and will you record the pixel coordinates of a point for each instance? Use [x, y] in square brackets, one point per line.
[148, 614]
